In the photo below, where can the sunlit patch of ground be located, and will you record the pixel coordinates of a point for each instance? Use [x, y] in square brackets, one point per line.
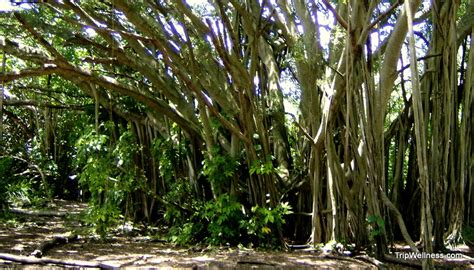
[22, 235]
[132, 254]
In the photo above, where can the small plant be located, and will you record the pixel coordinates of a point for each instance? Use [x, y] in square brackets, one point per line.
[225, 221]
[18, 194]
[185, 234]
[223, 217]
[264, 223]
[262, 167]
[186, 229]
[377, 226]
[468, 235]
[102, 218]
[20, 186]
[220, 167]
[6, 173]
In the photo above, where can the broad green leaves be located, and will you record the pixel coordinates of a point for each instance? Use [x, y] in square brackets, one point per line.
[108, 171]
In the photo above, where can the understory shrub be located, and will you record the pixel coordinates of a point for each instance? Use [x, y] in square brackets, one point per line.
[109, 174]
[264, 223]
[20, 184]
[225, 221]
[7, 172]
[223, 218]
[468, 235]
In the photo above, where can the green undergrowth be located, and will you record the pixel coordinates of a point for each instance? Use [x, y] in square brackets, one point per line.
[227, 222]
[107, 171]
[468, 235]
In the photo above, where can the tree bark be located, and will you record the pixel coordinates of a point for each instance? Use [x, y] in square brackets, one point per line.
[422, 160]
[49, 244]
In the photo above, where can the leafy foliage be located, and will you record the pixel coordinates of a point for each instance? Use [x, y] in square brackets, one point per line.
[109, 174]
[225, 221]
[7, 171]
[222, 218]
[468, 235]
[262, 167]
[23, 183]
[179, 193]
[377, 224]
[218, 167]
[185, 234]
[168, 152]
[263, 220]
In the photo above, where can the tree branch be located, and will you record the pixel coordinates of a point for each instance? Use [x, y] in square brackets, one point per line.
[12, 76]
[300, 127]
[40, 39]
[78, 75]
[384, 14]
[35, 103]
[24, 52]
[420, 59]
[366, 30]
[341, 21]
[388, 72]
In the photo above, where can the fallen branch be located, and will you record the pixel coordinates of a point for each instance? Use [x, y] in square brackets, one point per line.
[255, 262]
[344, 258]
[299, 246]
[44, 213]
[371, 260]
[47, 245]
[30, 260]
[411, 263]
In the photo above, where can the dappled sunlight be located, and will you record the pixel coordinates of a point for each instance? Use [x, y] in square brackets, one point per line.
[23, 237]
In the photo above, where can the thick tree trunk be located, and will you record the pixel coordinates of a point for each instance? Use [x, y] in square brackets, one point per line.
[422, 160]
[461, 186]
[443, 80]
[316, 188]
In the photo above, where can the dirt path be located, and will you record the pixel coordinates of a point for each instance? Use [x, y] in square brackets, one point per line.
[135, 254]
[23, 233]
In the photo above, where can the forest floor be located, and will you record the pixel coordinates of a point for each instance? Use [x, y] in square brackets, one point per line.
[22, 233]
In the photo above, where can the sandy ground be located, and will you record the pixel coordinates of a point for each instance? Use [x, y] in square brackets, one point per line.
[23, 235]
